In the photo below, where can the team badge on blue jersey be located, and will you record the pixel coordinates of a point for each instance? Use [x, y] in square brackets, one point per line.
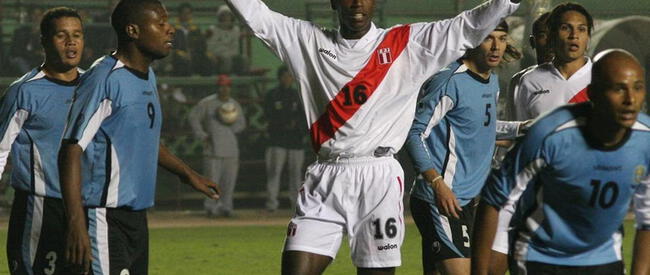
[639, 173]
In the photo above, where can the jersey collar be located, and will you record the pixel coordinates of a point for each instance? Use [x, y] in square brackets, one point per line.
[356, 43]
[585, 69]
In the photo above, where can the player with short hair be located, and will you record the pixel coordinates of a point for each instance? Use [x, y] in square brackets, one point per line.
[564, 80]
[359, 86]
[32, 119]
[539, 41]
[451, 142]
[114, 124]
[572, 178]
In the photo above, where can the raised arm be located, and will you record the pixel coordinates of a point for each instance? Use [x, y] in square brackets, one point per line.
[277, 31]
[447, 40]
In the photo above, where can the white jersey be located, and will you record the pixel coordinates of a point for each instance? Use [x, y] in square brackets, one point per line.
[510, 110]
[544, 88]
[359, 95]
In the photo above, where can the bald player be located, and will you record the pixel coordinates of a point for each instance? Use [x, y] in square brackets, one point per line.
[572, 178]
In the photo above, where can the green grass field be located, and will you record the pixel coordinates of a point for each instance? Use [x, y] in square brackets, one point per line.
[251, 250]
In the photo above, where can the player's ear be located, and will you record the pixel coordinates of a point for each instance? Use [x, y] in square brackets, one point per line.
[132, 31]
[531, 41]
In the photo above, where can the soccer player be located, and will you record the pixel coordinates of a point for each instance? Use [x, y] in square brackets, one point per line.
[359, 86]
[539, 41]
[32, 119]
[564, 80]
[572, 178]
[114, 123]
[451, 142]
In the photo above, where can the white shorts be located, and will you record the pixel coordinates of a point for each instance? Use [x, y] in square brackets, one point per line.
[361, 197]
[500, 243]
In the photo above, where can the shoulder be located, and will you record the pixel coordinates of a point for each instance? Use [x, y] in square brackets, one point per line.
[518, 75]
[100, 70]
[445, 76]
[536, 73]
[560, 119]
[208, 100]
[642, 123]
[21, 84]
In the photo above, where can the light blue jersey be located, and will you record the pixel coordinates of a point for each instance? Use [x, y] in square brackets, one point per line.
[116, 119]
[33, 116]
[454, 131]
[572, 194]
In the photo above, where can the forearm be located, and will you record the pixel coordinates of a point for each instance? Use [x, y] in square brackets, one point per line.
[70, 179]
[641, 257]
[172, 163]
[483, 237]
[508, 129]
[418, 149]
[431, 175]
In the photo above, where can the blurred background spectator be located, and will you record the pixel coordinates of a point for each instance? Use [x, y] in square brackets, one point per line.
[216, 120]
[224, 44]
[287, 130]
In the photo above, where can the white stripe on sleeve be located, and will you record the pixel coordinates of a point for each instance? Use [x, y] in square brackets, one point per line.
[13, 129]
[103, 111]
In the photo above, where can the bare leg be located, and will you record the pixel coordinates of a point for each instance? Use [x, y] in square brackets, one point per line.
[498, 263]
[376, 271]
[303, 263]
[455, 266]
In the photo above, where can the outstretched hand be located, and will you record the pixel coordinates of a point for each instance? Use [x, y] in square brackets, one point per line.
[202, 184]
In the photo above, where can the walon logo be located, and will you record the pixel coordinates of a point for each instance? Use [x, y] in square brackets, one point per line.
[387, 247]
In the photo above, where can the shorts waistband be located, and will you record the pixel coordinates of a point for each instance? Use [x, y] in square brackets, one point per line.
[379, 153]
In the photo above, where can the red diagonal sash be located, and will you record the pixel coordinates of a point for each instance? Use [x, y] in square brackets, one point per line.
[356, 92]
[581, 96]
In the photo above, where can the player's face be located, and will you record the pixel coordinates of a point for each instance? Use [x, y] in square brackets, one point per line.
[491, 50]
[623, 94]
[224, 91]
[65, 46]
[156, 34]
[355, 16]
[572, 37]
[541, 45]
